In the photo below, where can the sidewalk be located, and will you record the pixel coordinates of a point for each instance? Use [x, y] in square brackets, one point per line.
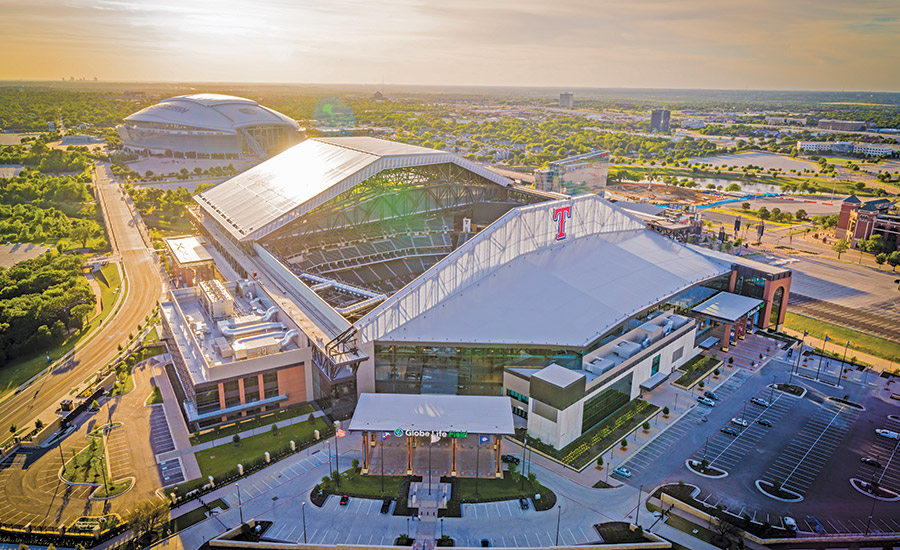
[878, 364]
[177, 428]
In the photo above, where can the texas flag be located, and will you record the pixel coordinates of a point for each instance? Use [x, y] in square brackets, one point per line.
[385, 435]
[340, 433]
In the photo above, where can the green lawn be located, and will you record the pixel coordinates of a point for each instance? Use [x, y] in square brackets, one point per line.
[155, 397]
[244, 425]
[505, 487]
[115, 488]
[224, 458]
[18, 372]
[88, 466]
[696, 368]
[686, 526]
[872, 345]
[368, 485]
[194, 516]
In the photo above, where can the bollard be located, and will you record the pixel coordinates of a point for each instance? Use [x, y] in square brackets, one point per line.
[174, 497]
[316, 433]
[267, 457]
[212, 483]
[62, 529]
[240, 469]
[293, 445]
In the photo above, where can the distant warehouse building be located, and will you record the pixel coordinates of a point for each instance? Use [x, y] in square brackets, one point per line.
[845, 125]
[396, 269]
[847, 147]
[209, 125]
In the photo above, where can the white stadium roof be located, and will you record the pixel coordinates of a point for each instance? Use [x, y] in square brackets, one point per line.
[287, 186]
[515, 283]
[222, 113]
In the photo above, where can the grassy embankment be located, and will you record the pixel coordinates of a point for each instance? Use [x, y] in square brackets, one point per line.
[859, 341]
[20, 371]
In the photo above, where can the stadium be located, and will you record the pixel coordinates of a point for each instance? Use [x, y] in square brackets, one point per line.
[396, 269]
[208, 125]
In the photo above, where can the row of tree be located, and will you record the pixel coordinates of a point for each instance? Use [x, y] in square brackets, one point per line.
[40, 300]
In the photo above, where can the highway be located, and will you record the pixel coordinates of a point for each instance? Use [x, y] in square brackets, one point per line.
[144, 290]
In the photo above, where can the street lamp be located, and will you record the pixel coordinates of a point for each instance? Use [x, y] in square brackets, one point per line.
[844, 361]
[303, 512]
[637, 514]
[558, 514]
[240, 509]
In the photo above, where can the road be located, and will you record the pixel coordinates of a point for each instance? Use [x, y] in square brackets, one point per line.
[145, 288]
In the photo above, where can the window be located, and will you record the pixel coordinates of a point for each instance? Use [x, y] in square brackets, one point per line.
[231, 386]
[270, 378]
[517, 396]
[676, 355]
[655, 367]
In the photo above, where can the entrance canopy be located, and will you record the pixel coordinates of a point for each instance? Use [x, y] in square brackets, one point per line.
[727, 306]
[428, 413]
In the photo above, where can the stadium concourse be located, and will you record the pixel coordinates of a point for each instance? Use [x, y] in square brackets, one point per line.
[365, 266]
[210, 126]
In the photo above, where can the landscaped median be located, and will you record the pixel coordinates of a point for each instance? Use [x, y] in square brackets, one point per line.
[90, 467]
[608, 432]
[695, 369]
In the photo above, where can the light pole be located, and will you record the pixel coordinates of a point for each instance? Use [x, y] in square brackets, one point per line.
[799, 354]
[382, 463]
[819, 368]
[637, 514]
[558, 514]
[442, 527]
[705, 447]
[844, 361]
[477, 449]
[330, 472]
[337, 467]
[303, 512]
[430, 446]
[772, 393]
[240, 509]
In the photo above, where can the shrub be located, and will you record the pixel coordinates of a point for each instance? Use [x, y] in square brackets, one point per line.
[717, 372]
[274, 430]
[730, 361]
[646, 426]
[701, 384]
[624, 443]
[666, 411]
[236, 439]
[600, 461]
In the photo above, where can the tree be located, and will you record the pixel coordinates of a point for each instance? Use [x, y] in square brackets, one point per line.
[726, 530]
[745, 206]
[763, 213]
[600, 461]
[880, 259]
[733, 187]
[95, 405]
[665, 411]
[894, 260]
[841, 246]
[624, 443]
[274, 430]
[38, 424]
[800, 214]
[12, 428]
[646, 426]
[145, 516]
[236, 439]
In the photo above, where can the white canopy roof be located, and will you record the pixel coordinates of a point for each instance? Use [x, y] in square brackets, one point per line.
[387, 412]
[287, 186]
[727, 306]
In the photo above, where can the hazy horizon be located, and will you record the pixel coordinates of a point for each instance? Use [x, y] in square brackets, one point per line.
[765, 45]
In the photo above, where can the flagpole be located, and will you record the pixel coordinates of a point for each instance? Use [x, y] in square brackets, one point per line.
[477, 450]
[382, 462]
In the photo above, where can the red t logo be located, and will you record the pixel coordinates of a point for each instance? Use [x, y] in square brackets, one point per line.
[559, 216]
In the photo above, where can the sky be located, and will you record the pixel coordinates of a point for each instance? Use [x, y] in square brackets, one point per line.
[717, 44]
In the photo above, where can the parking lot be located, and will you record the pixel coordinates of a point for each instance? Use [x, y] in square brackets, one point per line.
[661, 444]
[170, 472]
[803, 458]
[160, 437]
[726, 452]
[884, 451]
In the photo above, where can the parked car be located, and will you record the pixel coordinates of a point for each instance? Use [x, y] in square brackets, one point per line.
[706, 401]
[485, 543]
[730, 431]
[740, 422]
[888, 434]
[624, 472]
[760, 402]
[345, 500]
[386, 506]
[790, 523]
[711, 395]
[523, 503]
[510, 459]
[764, 422]
[870, 462]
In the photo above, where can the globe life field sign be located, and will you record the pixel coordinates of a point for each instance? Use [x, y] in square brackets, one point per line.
[433, 433]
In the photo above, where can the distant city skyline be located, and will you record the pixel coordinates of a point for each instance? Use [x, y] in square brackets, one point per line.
[763, 44]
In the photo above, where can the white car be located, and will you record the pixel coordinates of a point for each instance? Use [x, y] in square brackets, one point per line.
[760, 402]
[740, 422]
[790, 523]
[624, 472]
[888, 434]
[706, 401]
